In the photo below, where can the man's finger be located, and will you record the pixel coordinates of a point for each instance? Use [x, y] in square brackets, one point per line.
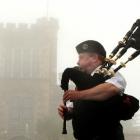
[66, 97]
[61, 110]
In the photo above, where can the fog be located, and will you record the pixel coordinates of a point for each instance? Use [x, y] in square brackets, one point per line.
[37, 42]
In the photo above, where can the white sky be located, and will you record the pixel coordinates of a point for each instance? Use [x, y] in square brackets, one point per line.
[106, 21]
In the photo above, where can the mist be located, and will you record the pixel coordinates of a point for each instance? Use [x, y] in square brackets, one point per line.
[37, 42]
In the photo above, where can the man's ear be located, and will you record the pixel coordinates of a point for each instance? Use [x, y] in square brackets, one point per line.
[95, 57]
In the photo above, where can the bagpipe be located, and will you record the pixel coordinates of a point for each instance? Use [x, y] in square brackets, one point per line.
[126, 105]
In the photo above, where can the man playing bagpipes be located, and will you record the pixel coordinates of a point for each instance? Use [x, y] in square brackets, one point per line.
[94, 108]
[91, 56]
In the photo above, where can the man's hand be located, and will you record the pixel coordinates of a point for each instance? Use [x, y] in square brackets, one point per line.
[98, 93]
[72, 95]
[61, 110]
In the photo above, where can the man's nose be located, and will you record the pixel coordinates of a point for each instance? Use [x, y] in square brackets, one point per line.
[78, 63]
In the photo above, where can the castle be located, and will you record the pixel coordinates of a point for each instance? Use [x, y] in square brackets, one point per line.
[28, 69]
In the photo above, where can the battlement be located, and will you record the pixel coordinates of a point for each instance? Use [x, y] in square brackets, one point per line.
[40, 23]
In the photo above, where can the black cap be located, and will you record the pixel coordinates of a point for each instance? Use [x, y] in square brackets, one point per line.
[91, 46]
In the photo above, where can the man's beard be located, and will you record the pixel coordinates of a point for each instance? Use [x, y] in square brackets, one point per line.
[85, 70]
